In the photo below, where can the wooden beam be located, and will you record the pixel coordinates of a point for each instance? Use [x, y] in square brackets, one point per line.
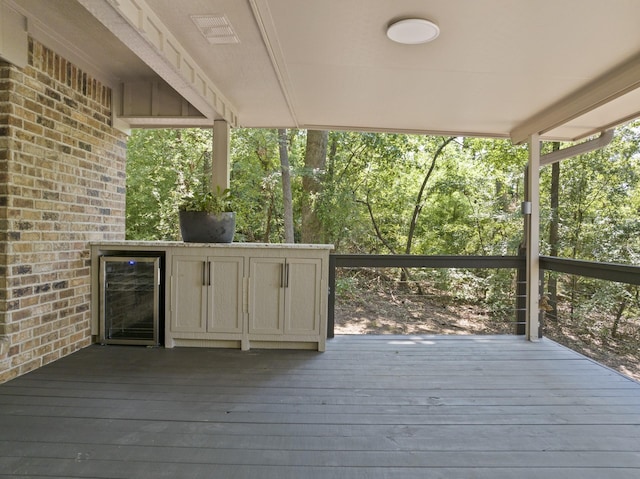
[602, 90]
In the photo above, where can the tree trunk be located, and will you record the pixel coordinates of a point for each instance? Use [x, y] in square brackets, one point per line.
[267, 228]
[287, 199]
[616, 321]
[314, 164]
[553, 235]
[419, 199]
[404, 273]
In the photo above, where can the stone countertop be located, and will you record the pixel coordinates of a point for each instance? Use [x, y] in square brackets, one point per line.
[182, 244]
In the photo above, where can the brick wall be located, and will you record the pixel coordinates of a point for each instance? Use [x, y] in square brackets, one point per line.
[62, 184]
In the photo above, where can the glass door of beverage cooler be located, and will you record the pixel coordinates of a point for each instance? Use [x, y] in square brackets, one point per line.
[129, 302]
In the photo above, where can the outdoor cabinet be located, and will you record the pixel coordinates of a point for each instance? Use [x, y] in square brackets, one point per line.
[284, 297]
[244, 297]
[234, 295]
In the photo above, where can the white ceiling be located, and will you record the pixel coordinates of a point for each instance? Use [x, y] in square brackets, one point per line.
[498, 68]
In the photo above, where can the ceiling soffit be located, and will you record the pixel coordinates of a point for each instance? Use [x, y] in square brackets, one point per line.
[612, 86]
[138, 27]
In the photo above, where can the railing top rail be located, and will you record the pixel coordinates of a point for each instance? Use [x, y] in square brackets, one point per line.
[425, 261]
[622, 273]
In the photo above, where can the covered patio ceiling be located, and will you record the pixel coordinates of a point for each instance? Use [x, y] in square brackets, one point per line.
[565, 69]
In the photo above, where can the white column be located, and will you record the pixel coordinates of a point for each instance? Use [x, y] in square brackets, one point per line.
[221, 155]
[533, 239]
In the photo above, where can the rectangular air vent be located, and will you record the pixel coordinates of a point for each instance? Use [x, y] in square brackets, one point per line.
[215, 28]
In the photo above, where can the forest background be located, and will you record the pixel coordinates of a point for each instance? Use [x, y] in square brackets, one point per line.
[377, 193]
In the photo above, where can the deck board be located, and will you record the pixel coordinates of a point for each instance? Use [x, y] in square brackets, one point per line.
[368, 407]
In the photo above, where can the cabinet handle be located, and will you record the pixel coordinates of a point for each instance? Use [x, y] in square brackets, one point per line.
[282, 275]
[209, 264]
[286, 275]
[204, 273]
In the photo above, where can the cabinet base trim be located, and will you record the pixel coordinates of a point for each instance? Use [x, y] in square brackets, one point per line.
[238, 344]
[284, 345]
[207, 343]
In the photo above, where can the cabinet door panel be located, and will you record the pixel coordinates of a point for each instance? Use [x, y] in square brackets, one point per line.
[266, 311]
[225, 306]
[189, 300]
[303, 301]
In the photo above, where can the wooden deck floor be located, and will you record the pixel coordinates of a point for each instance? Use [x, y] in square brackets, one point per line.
[369, 407]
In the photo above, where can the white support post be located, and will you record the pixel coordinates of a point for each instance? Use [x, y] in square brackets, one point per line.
[221, 155]
[533, 240]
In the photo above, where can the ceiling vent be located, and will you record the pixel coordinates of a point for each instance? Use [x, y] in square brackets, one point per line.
[215, 28]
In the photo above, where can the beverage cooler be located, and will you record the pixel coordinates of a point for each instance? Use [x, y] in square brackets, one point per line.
[130, 300]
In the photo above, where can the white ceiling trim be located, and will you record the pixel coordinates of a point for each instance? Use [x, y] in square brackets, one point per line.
[406, 131]
[135, 24]
[263, 17]
[165, 122]
[614, 84]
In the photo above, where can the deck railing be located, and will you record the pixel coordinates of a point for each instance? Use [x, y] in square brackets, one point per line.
[572, 297]
[605, 271]
[620, 273]
[434, 262]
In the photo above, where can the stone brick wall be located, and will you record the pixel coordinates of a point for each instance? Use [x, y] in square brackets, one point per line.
[62, 184]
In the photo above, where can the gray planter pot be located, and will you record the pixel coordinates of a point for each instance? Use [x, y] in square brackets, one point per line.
[203, 227]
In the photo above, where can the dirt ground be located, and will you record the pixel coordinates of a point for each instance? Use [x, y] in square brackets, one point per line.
[378, 312]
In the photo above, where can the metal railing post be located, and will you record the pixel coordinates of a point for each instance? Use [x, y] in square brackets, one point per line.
[521, 297]
[331, 301]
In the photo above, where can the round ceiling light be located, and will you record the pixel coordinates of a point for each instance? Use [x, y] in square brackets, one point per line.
[413, 31]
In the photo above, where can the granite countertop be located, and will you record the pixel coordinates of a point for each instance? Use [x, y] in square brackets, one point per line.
[182, 244]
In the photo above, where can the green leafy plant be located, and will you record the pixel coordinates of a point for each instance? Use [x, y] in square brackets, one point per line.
[194, 188]
[207, 200]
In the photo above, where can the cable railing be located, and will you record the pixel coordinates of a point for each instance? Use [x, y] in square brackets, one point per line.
[412, 262]
[611, 272]
[601, 300]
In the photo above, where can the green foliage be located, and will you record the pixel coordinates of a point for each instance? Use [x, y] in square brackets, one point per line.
[598, 202]
[209, 201]
[255, 179]
[370, 187]
[160, 164]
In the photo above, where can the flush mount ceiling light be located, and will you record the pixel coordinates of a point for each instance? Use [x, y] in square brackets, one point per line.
[413, 31]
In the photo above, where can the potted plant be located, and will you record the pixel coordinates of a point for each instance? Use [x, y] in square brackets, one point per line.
[205, 215]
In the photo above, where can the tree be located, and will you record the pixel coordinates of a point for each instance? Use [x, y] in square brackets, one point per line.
[597, 220]
[315, 158]
[287, 200]
[155, 159]
[419, 202]
[255, 180]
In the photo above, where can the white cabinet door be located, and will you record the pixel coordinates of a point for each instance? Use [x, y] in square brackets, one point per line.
[225, 294]
[189, 301]
[207, 294]
[266, 295]
[302, 296]
[284, 296]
